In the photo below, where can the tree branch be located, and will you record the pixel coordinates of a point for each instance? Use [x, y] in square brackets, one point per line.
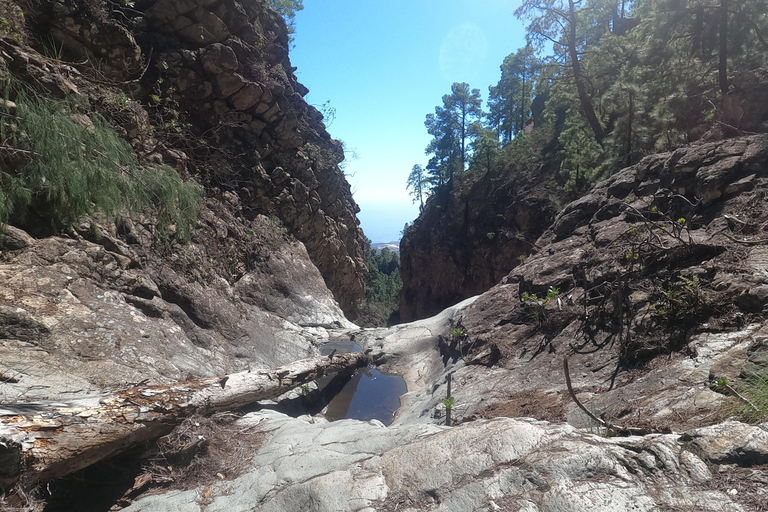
[40, 442]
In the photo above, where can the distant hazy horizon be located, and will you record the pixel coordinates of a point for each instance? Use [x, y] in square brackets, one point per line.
[383, 222]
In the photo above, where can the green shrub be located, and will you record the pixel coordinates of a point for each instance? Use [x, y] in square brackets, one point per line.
[159, 191]
[64, 165]
[682, 303]
[754, 387]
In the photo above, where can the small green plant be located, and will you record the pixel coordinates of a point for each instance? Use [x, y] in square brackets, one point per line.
[535, 305]
[53, 49]
[552, 294]
[458, 332]
[449, 403]
[721, 384]
[522, 258]
[752, 392]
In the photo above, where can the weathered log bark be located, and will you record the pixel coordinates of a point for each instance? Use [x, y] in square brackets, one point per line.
[40, 442]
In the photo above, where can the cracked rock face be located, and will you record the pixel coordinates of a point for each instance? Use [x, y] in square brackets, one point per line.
[224, 67]
[467, 241]
[77, 316]
[614, 254]
[501, 464]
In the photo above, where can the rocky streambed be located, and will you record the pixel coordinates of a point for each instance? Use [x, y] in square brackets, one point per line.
[502, 463]
[79, 317]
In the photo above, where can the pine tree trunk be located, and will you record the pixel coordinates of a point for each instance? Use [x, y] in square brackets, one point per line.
[723, 64]
[630, 120]
[698, 30]
[41, 442]
[584, 100]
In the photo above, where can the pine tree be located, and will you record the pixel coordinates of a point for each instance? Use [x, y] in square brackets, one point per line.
[418, 183]
[510, 100]
[452, 136]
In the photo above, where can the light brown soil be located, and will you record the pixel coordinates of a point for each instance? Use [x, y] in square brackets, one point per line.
[531, 404]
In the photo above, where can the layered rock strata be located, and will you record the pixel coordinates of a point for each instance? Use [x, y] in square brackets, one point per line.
[220, 72]
[106, 304]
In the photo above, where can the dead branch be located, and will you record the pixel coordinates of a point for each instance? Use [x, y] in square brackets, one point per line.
[741, 397]
[589, 413]
[610, 428]
[43, 441]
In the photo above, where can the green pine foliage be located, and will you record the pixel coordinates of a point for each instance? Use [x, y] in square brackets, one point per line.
[160, 192]
[59, 164]
[287, 9]
[611, 80]
[509, 102]
[653, 72]
[453, 128]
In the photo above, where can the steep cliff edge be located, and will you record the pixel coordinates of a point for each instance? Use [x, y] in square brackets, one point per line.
[476, 229]
[206, 88]
[653, 284]
[471, 235]
[219, 88]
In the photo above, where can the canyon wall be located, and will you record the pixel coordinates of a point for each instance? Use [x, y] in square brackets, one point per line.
[469, 237]
[276, 254]
[218, 73]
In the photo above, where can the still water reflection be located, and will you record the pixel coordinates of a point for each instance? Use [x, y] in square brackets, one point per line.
[369, 394]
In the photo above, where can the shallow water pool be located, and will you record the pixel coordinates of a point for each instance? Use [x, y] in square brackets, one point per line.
[369, 394]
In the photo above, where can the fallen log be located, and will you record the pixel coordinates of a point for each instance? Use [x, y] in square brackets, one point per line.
[44, 441]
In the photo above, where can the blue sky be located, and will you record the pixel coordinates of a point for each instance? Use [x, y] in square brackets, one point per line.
[384, 65]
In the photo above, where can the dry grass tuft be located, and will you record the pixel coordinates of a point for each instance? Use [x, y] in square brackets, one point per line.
[203, 450]
[19, 501]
